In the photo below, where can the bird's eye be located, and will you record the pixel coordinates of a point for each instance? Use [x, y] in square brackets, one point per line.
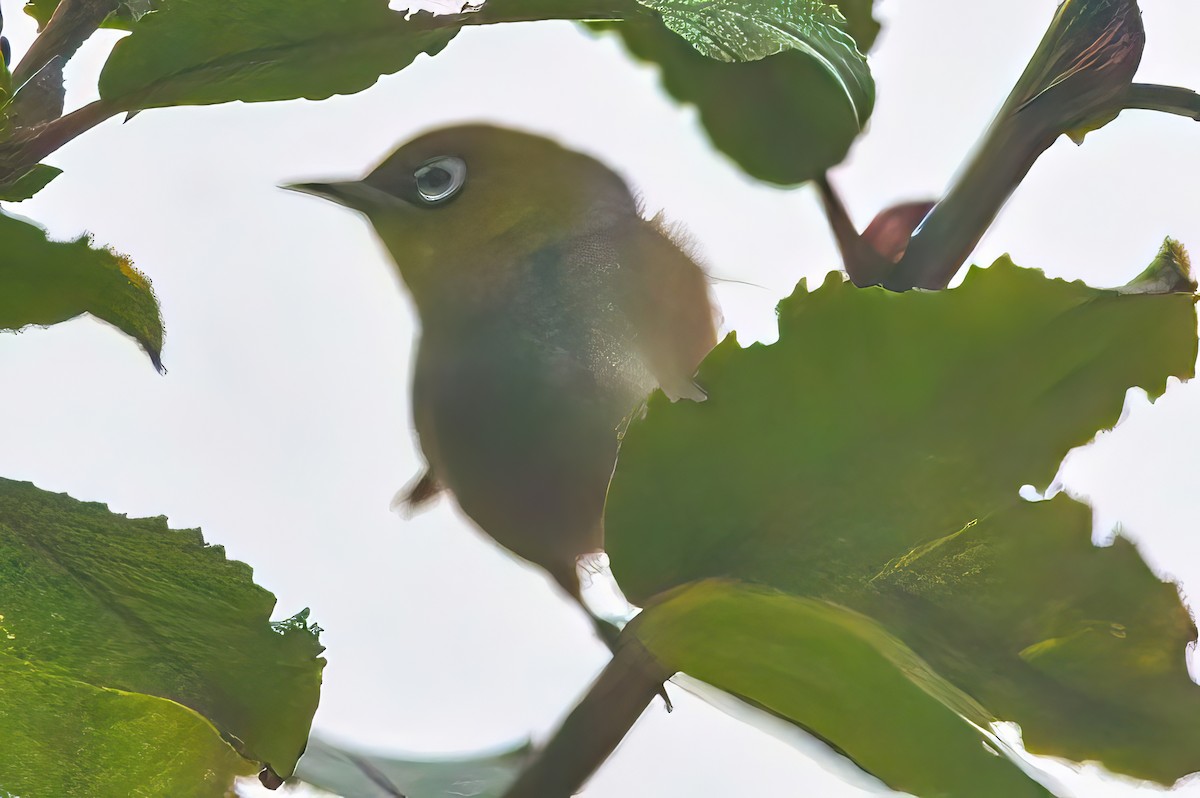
[439, 179]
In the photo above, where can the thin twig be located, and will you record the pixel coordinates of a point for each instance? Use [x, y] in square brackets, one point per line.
[862, 263]
[28, 147]
[499, 11]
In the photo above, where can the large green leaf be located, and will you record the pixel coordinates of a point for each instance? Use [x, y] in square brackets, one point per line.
[45, 282]
[872, 457]
[349, 772]
[780, 88]
[195, 52]
[109, 603]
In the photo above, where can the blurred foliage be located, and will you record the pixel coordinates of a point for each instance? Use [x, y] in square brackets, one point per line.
[45, 282]
[872, 458]
[112, 615]
[346, 771]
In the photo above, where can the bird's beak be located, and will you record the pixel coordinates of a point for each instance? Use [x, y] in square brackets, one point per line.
[354, 194]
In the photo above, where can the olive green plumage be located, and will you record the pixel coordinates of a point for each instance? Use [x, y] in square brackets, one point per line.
[549, 310]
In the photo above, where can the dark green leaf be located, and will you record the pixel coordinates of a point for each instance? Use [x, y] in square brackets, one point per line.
[194, 52]
[784, 117]
[44, 282]
[348, 772]
[872, 457]
[860, 22]
[116, 603]
[751, 30]
[1084, 647]
[29, 183]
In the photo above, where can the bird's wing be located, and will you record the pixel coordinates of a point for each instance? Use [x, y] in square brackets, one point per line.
[664, 294]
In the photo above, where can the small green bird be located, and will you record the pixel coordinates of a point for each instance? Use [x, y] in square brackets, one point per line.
[549, 310]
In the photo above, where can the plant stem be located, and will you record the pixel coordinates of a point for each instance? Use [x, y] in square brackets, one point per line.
[497, 11]
[27, 147]
[70, 26]
[1076, 81]
[595, 727]
[862, 263]
[956, 224]
[1168, 99]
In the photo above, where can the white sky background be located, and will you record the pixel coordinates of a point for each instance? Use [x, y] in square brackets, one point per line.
[283, 426]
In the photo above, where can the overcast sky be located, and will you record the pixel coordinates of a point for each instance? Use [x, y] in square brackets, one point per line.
[282, 428]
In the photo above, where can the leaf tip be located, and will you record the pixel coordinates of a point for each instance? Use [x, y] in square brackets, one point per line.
[1169, 273]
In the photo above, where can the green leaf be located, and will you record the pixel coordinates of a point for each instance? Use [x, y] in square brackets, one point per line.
[41, 10]
[127, 13]
[29, 183]
[751, 30]
[839, 674]
[781, 89]
[115, 743]
[1084, 647]
[872, 457]
[1170, 271]
[348, 772]
[860, 22]
[123, 604]
[195, 52]
[45, 282]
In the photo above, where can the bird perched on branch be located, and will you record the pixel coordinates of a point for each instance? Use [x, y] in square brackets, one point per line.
[549, 310]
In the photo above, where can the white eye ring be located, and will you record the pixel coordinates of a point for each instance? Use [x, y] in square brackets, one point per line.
[439, 179]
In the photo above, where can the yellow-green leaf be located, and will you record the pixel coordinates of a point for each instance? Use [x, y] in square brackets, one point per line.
[126, 605]
[45, 282]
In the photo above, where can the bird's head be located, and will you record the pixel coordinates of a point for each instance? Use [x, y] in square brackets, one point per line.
[469, 197]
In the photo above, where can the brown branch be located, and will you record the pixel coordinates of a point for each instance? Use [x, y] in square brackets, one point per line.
[862, 263]
[70, 26]
[595, 727]
[41, 98]
[28, 147]
[1084, 64]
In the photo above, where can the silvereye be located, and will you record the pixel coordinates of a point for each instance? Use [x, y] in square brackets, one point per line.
[549, 310]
